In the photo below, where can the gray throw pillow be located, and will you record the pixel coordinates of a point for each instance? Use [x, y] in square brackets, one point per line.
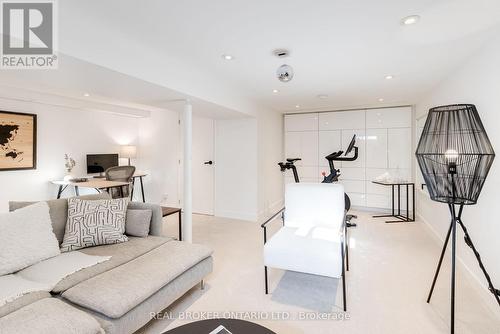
[138, 222]
[94, 223]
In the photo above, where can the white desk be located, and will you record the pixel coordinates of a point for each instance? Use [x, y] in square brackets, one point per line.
[99, 184]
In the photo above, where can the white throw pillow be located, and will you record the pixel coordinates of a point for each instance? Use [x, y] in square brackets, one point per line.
[26, 238]
[94, 223]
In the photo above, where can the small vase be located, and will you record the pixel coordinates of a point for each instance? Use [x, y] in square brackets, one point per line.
[68, 177]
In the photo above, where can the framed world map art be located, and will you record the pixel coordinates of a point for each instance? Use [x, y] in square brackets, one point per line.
[17, 141]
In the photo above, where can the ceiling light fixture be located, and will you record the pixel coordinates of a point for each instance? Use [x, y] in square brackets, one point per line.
[275, 91]
[86, 94]
[381, 100]
[297, 107]
[322, 96]
[389, 77]
[409, 20]
[227, 57]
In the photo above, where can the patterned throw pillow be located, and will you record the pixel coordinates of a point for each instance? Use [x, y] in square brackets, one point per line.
[93, 223]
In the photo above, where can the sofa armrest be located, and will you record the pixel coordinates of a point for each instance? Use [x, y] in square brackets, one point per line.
[156, 227]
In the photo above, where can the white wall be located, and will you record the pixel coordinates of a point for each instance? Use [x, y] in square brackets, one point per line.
[236, 186]
[477, 82]
[159, 154]
[270, 178]
[61, 131]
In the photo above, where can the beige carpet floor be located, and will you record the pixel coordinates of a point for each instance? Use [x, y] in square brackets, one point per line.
[391, 270]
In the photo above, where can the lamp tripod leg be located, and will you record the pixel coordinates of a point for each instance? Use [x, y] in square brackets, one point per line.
[440, 261]
[469, 243]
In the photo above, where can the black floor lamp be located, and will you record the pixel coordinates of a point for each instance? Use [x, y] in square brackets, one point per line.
[455, 156]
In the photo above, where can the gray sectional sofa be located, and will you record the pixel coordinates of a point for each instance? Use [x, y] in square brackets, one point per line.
[143, 277]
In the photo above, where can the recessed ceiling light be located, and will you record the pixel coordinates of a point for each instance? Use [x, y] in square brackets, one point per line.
[275, 91]
[381, 100]
[227, 57]
[86, 94]
[322, 96]
[389, 77]
[409, 20]
[297, 106]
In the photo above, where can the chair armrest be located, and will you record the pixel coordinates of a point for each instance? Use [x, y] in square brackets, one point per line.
[156, 227]
[264, 225]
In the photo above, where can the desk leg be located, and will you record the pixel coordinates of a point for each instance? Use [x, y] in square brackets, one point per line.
[142, 190]
[60, 191]
[121, 191]
[180, 225]
[77, 191]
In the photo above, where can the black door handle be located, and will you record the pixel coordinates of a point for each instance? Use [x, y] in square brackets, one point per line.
[209, 162]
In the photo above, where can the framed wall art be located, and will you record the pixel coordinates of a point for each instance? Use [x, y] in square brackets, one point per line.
[17, 141]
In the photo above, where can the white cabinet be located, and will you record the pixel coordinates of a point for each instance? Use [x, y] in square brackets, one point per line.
[339, 120]
[301, 122]
[383, 137]
[302, 145]
[399, 148]
[329, 141]
[376, 148]
[388, 118]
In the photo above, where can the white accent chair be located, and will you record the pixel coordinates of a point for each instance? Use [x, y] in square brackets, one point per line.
[312, 239]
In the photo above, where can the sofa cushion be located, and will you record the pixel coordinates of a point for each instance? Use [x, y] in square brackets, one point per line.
[26, 238]
[117, 291]
[49, 316]
[22, 301]
[138, 222]
[120, 254]
[94, 223]
[58, 209]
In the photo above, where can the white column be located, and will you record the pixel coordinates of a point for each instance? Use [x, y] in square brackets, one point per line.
[187, 228]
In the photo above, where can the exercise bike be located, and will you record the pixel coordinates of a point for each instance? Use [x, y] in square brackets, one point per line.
[334, 172]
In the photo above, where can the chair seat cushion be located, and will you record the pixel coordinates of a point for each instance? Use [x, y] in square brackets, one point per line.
[117, 291]
[49, 316]
[317, 252]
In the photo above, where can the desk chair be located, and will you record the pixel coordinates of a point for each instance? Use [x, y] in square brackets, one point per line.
[313, 237]
[122, 174]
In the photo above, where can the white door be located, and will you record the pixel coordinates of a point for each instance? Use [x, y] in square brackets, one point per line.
[203, 166]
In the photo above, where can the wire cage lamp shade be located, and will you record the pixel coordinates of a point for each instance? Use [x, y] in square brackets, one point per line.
[454, 154]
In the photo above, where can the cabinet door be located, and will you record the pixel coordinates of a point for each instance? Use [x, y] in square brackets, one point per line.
[329, 142]
[399, 148]
[302, 145]
[388, 118]
[339, 120]
[376, 148]
[301, 122]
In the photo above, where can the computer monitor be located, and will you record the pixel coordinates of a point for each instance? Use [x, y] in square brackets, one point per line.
[98, 163]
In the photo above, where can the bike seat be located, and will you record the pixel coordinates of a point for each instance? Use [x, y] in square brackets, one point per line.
[293, 160]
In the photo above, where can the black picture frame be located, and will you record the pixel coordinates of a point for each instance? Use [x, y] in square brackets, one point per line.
[33, 158]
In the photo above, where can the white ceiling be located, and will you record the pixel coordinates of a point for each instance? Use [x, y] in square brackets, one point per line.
[81, 85]
[340, 48]
[147, 53]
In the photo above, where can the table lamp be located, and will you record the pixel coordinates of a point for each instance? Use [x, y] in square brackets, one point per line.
[128, 152]
[455, 156]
